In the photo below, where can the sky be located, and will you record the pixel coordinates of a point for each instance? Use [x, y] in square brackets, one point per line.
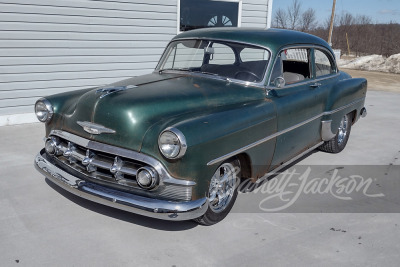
[380, 11]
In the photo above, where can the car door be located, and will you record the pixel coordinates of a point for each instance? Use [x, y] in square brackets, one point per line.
[299, 103]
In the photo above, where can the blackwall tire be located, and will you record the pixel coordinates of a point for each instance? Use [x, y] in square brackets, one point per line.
[338, 143]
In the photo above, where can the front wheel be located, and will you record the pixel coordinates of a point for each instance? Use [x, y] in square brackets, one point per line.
[222, 192]
[337, 144]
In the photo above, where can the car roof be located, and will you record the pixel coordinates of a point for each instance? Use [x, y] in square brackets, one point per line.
[271, 38]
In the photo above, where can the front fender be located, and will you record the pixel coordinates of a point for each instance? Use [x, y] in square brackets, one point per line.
[62, 104]
[215, 133]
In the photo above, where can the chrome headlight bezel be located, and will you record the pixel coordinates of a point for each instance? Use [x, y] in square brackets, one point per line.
[44, 110]
[180, 141]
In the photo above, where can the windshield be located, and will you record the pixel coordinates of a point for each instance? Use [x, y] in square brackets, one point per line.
[229, 60]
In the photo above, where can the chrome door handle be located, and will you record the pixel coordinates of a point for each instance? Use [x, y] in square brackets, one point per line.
[315, 85]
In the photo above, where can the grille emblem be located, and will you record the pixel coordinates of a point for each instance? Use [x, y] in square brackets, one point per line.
[94, 128]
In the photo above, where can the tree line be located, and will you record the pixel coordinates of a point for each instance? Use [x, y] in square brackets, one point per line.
[364, 37]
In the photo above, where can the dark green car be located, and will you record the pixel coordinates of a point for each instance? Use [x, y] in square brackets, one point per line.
[221, 106]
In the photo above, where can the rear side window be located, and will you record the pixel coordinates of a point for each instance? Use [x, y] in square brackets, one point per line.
[323, 64]
[293, 65]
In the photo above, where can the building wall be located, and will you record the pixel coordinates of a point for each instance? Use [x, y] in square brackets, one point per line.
[254, 13]
[49, 46]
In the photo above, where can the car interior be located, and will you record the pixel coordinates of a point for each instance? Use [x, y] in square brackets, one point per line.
[251, 71]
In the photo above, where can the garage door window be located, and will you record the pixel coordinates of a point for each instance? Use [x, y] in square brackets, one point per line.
[207, 13]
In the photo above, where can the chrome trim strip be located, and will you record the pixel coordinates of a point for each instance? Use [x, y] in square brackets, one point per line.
[343, 107]
[160, 209]
[165, 177]
[326, 130]
[240, 150]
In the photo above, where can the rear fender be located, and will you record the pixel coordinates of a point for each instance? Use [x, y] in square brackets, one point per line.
[346, 96]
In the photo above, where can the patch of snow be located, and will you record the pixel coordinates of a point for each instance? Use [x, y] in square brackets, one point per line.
[373, 63]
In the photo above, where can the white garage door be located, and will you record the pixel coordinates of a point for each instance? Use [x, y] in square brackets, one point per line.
[49, 46]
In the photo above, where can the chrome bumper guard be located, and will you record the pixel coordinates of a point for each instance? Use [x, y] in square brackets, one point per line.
[155, 208]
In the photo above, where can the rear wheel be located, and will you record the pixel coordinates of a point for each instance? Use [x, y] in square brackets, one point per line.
[338, 143]
[222, 192]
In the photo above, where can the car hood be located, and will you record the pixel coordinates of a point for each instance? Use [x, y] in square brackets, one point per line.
[146, 100]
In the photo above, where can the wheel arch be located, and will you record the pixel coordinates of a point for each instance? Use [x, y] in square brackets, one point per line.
[245, 165]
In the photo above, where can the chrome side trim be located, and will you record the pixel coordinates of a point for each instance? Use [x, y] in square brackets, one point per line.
[160, 209]
[326, 130]
[162, 172]
[240, 150]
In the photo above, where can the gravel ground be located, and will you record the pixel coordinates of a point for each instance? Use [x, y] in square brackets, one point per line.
[377, 81]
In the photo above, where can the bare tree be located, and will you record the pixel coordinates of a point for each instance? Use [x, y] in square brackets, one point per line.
[361, 34]
[294, 14]
[363, 20]
[364, 36]
[281, 18]
[346, 19]
[308, 20]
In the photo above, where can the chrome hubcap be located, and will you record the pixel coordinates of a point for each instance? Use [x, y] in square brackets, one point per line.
[342, 129]
[222, 187]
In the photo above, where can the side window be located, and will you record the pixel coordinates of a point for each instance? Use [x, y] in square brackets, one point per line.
[293, 65]
[323, 66]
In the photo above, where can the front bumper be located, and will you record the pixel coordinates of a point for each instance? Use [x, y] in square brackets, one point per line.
[155, 208]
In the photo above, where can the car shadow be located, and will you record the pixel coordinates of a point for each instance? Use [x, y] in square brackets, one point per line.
[124, 215]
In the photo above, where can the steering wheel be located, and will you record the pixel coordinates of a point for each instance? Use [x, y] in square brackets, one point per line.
[248, 73]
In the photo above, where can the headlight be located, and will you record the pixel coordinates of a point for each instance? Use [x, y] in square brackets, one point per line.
[172, 143]
[43, 110]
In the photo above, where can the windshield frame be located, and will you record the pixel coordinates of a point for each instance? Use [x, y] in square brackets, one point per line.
[168, 48]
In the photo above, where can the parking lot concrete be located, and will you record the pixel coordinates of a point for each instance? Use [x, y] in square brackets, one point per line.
[41, 225]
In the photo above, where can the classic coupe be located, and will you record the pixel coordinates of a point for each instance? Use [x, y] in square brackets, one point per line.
[223, 105]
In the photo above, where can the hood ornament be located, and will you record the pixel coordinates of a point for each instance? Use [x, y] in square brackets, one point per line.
[94, 128]
[105, 91]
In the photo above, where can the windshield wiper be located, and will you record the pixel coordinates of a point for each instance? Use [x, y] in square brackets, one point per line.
[209, 73]
[179, 69]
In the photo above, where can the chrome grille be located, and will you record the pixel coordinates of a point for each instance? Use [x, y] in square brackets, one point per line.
[113, 170]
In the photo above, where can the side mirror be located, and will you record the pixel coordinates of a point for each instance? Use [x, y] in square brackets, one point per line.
[279, 82]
